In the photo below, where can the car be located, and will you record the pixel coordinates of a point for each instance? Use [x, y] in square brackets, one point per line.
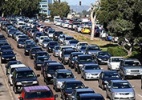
[88, 96]
[16, 34]
[56, 34]
[51, 33]
[72, 43]
[103, 57]
[130, 68]
[39, 60]
[51, 45]
[37, 93]
[60, 76]
[80, 44]
[68, 87]
[72, 58]
[5, 47]
[92, 49]
[10, 71]
[67, 39]
[49, 71]
[114, 63]
[23, 36]
[33, 51]
[27, 48]
[56, 51]
[83, 59]
[41, 53]
[45, 42]
[120, 89]
[37, 35]
[41, 38]
[21, 43]
[66, 54]
[61, 38]
[77, 92]
[82, 49]
[11, 32]
[90, 71]
[7, 55]
[23, 77]
[106, 76]
[86, 30]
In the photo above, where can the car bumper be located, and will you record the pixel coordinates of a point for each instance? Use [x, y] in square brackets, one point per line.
[20, 87]
[123, 98]
[92, 76]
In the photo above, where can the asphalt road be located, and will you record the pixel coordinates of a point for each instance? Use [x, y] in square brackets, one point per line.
[92, 84]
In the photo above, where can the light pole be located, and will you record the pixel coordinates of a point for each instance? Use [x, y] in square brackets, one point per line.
[20, 8]
[4, 8]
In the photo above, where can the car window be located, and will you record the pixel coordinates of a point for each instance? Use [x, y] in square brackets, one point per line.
[92, 67]
[85, 59]
[116, 59]
[121, 85]
[38, 94]
[74, 86]
[132, 63]
[64, 75]
[25, 74]
[111, 75]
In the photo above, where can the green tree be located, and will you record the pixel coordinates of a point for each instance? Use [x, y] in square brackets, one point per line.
[59, 9]
[123, 18]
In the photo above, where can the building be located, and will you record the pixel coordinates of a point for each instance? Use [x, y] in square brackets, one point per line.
[44, 7]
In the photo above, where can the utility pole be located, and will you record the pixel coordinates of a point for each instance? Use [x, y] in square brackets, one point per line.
[94, 9]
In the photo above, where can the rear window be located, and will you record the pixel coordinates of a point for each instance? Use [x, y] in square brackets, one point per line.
[38, 94]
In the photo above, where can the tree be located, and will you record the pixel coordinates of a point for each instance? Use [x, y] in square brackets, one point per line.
[122, 18]
[59, 9]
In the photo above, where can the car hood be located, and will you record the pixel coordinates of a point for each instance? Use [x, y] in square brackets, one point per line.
[104, 57]
[5, 56]
[123, 90]
[65, 79]
[93, 71]
[134, 67]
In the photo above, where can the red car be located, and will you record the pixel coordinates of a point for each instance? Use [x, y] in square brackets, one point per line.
[37, 93]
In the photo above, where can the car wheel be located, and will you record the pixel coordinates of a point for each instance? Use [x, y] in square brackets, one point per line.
[15, 90]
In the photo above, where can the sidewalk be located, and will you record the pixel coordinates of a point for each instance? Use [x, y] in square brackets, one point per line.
[4, 92]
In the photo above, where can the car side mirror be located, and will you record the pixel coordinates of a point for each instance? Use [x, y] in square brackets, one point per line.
[21, 98]
[38, 75]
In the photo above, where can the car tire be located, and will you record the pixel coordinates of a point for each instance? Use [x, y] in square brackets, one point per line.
[15, 90]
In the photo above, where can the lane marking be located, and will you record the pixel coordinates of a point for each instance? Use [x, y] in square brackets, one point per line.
[139, 95]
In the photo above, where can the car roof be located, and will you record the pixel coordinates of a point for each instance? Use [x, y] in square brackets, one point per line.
[36, 88]
[116, 81]
[55, 63]
[73, 81]
[84, 89]
[17, 65]
[91, 64]
[90, 94]
[84, 55]
[109, 71]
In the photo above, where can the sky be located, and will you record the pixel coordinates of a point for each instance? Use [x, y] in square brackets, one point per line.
[76, 2]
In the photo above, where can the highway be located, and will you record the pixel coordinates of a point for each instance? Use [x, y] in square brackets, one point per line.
[92, 84]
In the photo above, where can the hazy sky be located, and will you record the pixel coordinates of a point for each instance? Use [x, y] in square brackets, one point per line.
[76, 2]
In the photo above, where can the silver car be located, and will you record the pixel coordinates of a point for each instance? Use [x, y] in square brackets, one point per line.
[120, 90]
[90, 71]
[56, 51]
[61, 76]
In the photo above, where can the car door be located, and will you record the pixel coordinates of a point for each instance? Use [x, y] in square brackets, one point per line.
[108, 89]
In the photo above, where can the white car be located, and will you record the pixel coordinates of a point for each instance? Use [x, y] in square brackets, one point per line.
[41, 38]
[80, 44]
[114, 62]
[10, 71]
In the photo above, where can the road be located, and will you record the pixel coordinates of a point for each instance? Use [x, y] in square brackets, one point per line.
[92, 84]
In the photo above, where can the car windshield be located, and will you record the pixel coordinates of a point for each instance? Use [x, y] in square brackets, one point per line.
[57, 48]
[121, 85]
[111, 75]
[83, 44]
[8, 53]
[25, 74]
[42, 54]
[81, 92]
[38, 94]
[69, 38]
[103, 54]
[116, 59]
[93, 48]
[42, 59]
[53, 43]
[92, 67]
[68, 52]
[83, 48]
[73, 42]
[92, 98]
[53, 68]
[74, 85]
[21, 41]
[5, 48]
[132, 63]
[86, 59]
[65, 75]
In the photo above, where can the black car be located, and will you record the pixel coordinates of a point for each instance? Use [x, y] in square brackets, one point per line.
[50, 70]
[39, 60]
[5, 47]
[41, 53]
[103, 57]
[33, 51]
[21, 43]
[11, 63]
[27, 48]
[83, 59]
[7, 55]
[23, 77]
[92, 96]
[106, 76]
[69, 86]
[56, 34]
[51, 45]
[73, 57]
[66, 54]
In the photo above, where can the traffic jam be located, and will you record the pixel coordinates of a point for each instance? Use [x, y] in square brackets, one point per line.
[66, 66]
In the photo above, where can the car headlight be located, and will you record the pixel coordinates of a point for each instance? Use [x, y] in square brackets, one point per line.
[13, 57]
[26, 50]
[2, 58]
[106, 82]
[18, 83]
[115, 93]
[87, 74]
[72, 61]
[89, 53]
[132, 93]
[35, 82]
[81, 65]
[49, 75]
[99, 59]
[59, 83]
